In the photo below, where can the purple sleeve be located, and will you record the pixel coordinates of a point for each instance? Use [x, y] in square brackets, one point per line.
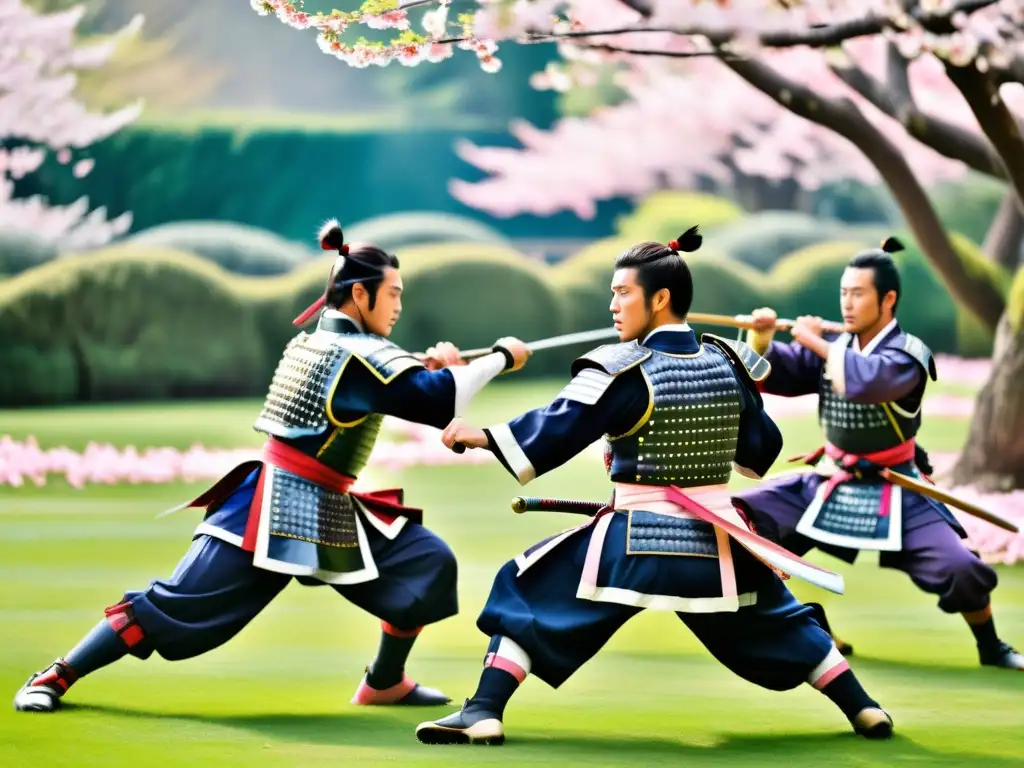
[881, 377]
[795, 370]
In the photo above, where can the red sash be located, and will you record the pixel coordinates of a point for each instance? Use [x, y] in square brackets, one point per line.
[386, 505]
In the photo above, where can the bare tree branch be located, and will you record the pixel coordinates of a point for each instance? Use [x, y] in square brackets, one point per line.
[895, 100]
[897, 75]
[1002, 128]
[1006, 233]
[844, 118]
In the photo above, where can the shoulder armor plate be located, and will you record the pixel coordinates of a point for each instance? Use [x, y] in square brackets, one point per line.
[587, 386]
[741, 355]
[916, 348]
[613, 359]
[381, 356]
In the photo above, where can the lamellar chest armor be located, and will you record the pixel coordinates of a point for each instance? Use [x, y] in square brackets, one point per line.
[869, 427]
[689, 435]
[298, 404]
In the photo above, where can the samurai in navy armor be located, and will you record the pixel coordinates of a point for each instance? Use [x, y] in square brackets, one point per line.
[870, 382]
[679, 415]
[292, 513]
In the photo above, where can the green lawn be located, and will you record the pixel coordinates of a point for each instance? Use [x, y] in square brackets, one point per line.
[278, 694]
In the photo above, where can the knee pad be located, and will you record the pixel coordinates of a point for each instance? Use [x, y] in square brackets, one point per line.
[121, 619]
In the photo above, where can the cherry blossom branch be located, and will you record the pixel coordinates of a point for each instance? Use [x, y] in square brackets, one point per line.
[938, 22]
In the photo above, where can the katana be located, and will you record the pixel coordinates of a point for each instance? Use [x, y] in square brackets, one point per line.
[912, 484]
[747, 322]
[568, 339]
[701, 318]
[522, 504]
[565, 340]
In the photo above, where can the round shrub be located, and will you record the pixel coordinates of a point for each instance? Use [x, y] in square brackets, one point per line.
[137, 324]
[762, 239]
[968, 205]
[237, 248]
[396, 231]
[473, 297]
[662, 216]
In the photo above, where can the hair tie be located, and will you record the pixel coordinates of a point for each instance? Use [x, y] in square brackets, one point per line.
[689, 241]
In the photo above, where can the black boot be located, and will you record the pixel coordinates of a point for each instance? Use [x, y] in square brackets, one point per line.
[1002, 655]
[473, 724]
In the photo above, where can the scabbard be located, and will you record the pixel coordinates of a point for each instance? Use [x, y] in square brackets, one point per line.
[522, 504]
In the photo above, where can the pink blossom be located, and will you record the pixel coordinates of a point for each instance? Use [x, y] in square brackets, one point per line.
[103, 463]
[435, 22]
[439, 52]
[397, 19]
[82, 168]
[490, 64]
[411, 55]
[39, 56]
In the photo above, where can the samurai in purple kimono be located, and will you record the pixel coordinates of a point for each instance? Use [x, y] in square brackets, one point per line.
[870, 382]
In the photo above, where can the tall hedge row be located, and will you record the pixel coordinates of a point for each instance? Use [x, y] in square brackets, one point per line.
[284, 178]
[139, 322]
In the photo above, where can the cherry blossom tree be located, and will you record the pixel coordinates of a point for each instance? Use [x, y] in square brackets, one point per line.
[868, 88]
[39, 115]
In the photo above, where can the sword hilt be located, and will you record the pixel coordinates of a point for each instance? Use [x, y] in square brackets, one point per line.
[522, 504]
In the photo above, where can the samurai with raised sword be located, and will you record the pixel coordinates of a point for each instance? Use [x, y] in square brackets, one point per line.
[870, 381]
[679, 413]
[293, 512]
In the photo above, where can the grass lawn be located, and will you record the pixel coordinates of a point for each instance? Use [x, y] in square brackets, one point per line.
[277, 695]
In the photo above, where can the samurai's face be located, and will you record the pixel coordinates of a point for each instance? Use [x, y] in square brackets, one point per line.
[630, 308]
[386, 307]
[861, 305]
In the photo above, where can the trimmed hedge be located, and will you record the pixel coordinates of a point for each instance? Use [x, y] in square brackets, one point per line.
[473, 296]
[142, 323]
[663, 216]
[762, 239]
[237, 248]
[397, 231]
[125, 324]
[146, 323]
[288, 179]
[968, 205]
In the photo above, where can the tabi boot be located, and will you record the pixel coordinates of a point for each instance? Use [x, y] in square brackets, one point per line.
[473, 724]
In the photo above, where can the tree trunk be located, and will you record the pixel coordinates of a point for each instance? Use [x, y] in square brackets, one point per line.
[1005, 234]
[992, 460]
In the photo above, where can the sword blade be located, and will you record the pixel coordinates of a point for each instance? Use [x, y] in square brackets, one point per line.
[911, 484]
[568, 339]
[565, 340]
